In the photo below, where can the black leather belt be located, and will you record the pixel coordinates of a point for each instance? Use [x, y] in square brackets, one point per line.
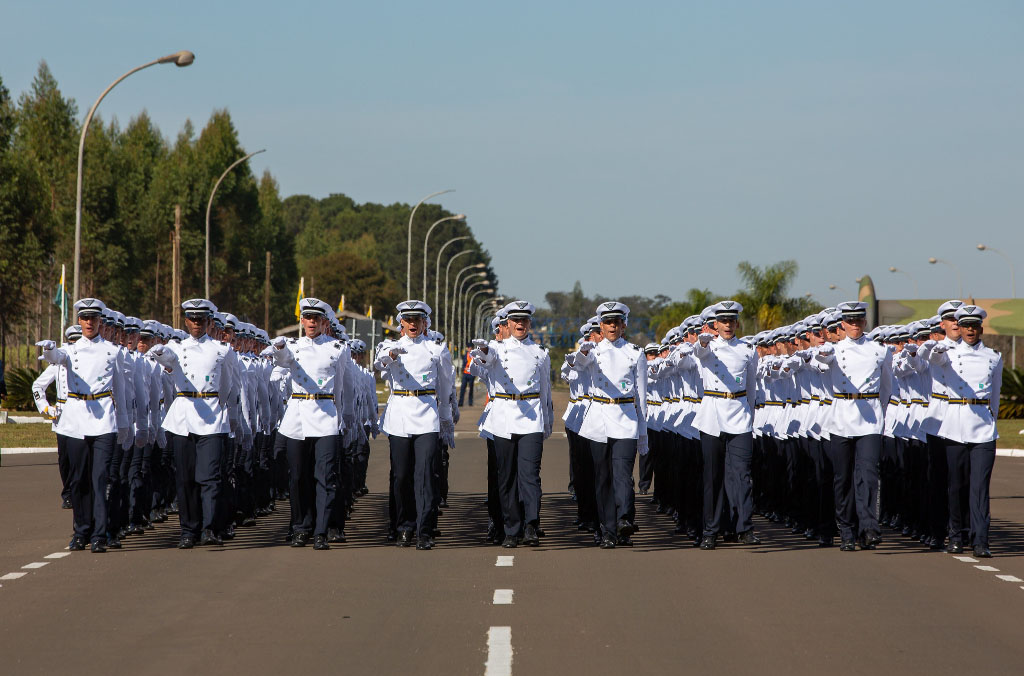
[312, 396]
[413, 393]
[197, 395]
[609, 400]
[517, 397]
[970, 402]
[858, 395]
[89, 397]
[725, 395]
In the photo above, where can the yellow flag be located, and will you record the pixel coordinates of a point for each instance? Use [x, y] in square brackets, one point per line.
[341, 305]
[298, 298]
[369, 313]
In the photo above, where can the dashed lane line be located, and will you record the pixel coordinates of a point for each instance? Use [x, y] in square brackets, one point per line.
[57, 555]
[12, 576]
[988, 569]
[502, 597]
[1009, 578]
[966, 559]
[37, 564]
[504, 561]
[499, 652]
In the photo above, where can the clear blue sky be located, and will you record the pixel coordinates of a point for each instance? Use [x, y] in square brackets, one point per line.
[640, 149]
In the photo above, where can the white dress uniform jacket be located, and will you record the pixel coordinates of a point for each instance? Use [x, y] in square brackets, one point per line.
[730, 367]
[521, 375]
[424, 366]
[321, 400]
[614, 371]
[98, 396]
[857, 367]
[973, 376]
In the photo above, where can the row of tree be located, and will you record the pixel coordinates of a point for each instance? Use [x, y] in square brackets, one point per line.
[134, 178]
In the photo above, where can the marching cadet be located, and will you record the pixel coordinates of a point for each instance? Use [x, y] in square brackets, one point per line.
[319, 408]
[495, 520]
[860, 372]
[95, 417]
[655, 417]
[141, 471]
[725, 420]
[581, 480]
[418, 414]
[56, 373]
[615, 422]
[973, 375]
[520, 419]
[205, 377]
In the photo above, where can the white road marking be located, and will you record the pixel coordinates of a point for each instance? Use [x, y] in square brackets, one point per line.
[12, 576]
[1009, 578]
[988, 569]
[502, 597]
[499, 652]
[505, 561]
[37, 564]
[966, 559]
[57, 555]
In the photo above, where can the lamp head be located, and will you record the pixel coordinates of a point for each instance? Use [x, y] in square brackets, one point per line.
[933, 260]
[179, 59]
[981, 247]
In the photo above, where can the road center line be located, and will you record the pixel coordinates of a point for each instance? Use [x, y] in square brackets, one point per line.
[1009, 578]
[966, 559]
[502, 597]
[505, 561]
[37, 564]
[988, 569]
[12, 576]
[499, 652]
[57, 555]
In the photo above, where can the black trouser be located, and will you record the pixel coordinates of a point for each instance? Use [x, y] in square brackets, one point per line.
[648, 462]
[411, 459]
[244, 473]
[938, 486]
[609, 460]
[493, 498]
[693, 485]
[343, 468]
[583, 463]
[279, 465]
[263, 472]
[891, 477]
[855, 463]
[198, 459]
[117, 487]
[809, 482]
[362, 460]
[727, 459]
[140, 487]
[824, 477]
[467, 380]
[977, 460]
[63, 466]
[163, 474]
[792, 505]
[88, 477]
[313, 482]
[519, 491]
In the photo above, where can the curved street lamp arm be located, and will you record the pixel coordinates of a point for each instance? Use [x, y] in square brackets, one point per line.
[209, 205]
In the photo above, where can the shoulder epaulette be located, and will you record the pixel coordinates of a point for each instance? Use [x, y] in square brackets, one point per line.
[635, 346]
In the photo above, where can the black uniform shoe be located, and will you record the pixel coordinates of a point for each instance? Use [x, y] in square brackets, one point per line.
[643, 491]
[608, 541]
[624, 528]
[392, 535]
[208, 537]
[623, 541]
[435, 532]
[708, 543]
[228, 534]
[320, 543]
[113, 543]
[424, 542]
[530, 537]
[173, 507]
[186, 542]
[749, 538]
[298, 540]
[540, 532]
[335, 535]
[77, 543]
[954, 548]
[137, 529]
[249, 521]
[405, 538]
[982, 552]
[98, 547]
[874, 538]
[730, 537]
[444, 503]
[848, 546]
[824, 541]
[510, 542]
[66, 504]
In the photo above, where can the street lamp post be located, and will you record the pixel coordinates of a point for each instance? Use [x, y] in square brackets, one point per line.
[959, 279]
[426, 240]
[437, 273]
[180, 59]
[895, 269]
[408, 255]
[448, 324]
[1013, 288]
[457, 291]
[833, 287]
[209, 205]
[467, 305]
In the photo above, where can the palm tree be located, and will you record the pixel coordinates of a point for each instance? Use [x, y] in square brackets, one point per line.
[764, 295]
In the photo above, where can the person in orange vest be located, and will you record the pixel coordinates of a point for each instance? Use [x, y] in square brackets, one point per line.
[467, 378]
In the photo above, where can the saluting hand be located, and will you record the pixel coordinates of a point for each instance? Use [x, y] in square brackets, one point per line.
[279, 342]
[705, 338]
[46, 344]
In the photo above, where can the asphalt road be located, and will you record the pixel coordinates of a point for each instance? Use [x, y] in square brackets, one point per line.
[257, 606]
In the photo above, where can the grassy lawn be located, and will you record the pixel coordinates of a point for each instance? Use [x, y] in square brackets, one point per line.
[33, 435]
[1009, 433]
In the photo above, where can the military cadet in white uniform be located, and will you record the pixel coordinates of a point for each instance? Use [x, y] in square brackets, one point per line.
[973, 377]
[203, 413]
[57, 374]
[95, 417]
[725, 420]
[615, 421]
[319, 408]
[520, 418]
[860, 373]
[417, 414]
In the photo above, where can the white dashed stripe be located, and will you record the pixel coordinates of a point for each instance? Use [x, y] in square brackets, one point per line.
[1009, 578]
[988, 569]
[966, 559]
[57, 555]
[499, 652]
[12, 576]
[505, 561]
[502, 597]
[37, 564]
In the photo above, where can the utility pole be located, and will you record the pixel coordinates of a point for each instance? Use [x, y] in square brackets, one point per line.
[176, 270]
[266, 295]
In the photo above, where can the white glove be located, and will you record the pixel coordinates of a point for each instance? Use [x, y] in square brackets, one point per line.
[161, 438]
[141, 438]
[267, 351]
[929, 343]
[826, 353]
[374, 429]
[448, 433]
[641, 443]
[940, 348]
[124, 437]
[279, 342]
[479, 343]
[47, 344]
[705, 338]
[911, 349]
[156, 351]
[586, 346]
